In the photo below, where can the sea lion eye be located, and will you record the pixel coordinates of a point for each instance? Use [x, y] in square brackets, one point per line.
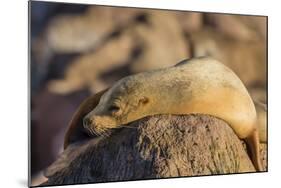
[114, 109]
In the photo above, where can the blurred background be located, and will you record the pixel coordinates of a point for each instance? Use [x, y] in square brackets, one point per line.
[78, 50]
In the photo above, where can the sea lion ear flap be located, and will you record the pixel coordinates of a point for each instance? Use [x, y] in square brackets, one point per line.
[143, 100]
[75, 130]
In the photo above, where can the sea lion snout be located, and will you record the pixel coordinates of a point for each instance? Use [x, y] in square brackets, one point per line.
[90, 125]
[87, 122]
[97, 124]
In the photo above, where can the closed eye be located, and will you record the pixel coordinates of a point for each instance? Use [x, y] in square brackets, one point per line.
[114, 108]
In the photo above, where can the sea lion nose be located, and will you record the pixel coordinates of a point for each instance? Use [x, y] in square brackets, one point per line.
[87, 122]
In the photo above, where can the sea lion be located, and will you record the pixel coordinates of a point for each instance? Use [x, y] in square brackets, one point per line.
[75, 129]
[197, 86]
[163, 32]
[261, 109]
[251, 55]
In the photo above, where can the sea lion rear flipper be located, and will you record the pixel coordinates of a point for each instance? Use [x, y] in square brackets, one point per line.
[254, 150]
[261, 109]
[75, 129]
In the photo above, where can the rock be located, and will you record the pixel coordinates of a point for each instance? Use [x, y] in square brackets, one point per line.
[159, 146]
[161, 42]
[83, 32]
[50, 116]
[247, 28]
[86, 70]
[190, 21]
[38, 179]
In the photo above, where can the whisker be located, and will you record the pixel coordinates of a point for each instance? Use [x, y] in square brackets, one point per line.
[129, 127]
[100, 131]
[122, 126]
[92, 131]
[114, 127]
[88, 131]
[105, 132]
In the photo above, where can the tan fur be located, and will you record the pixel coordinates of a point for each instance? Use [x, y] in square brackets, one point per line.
[262, 120]
[197, 86]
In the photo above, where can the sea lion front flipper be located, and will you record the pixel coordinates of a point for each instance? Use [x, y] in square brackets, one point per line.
[75, 128]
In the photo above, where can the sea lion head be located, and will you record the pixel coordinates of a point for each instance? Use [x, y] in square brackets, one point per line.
[121, 104]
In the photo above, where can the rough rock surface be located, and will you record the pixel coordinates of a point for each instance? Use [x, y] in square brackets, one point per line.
[155, 147]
